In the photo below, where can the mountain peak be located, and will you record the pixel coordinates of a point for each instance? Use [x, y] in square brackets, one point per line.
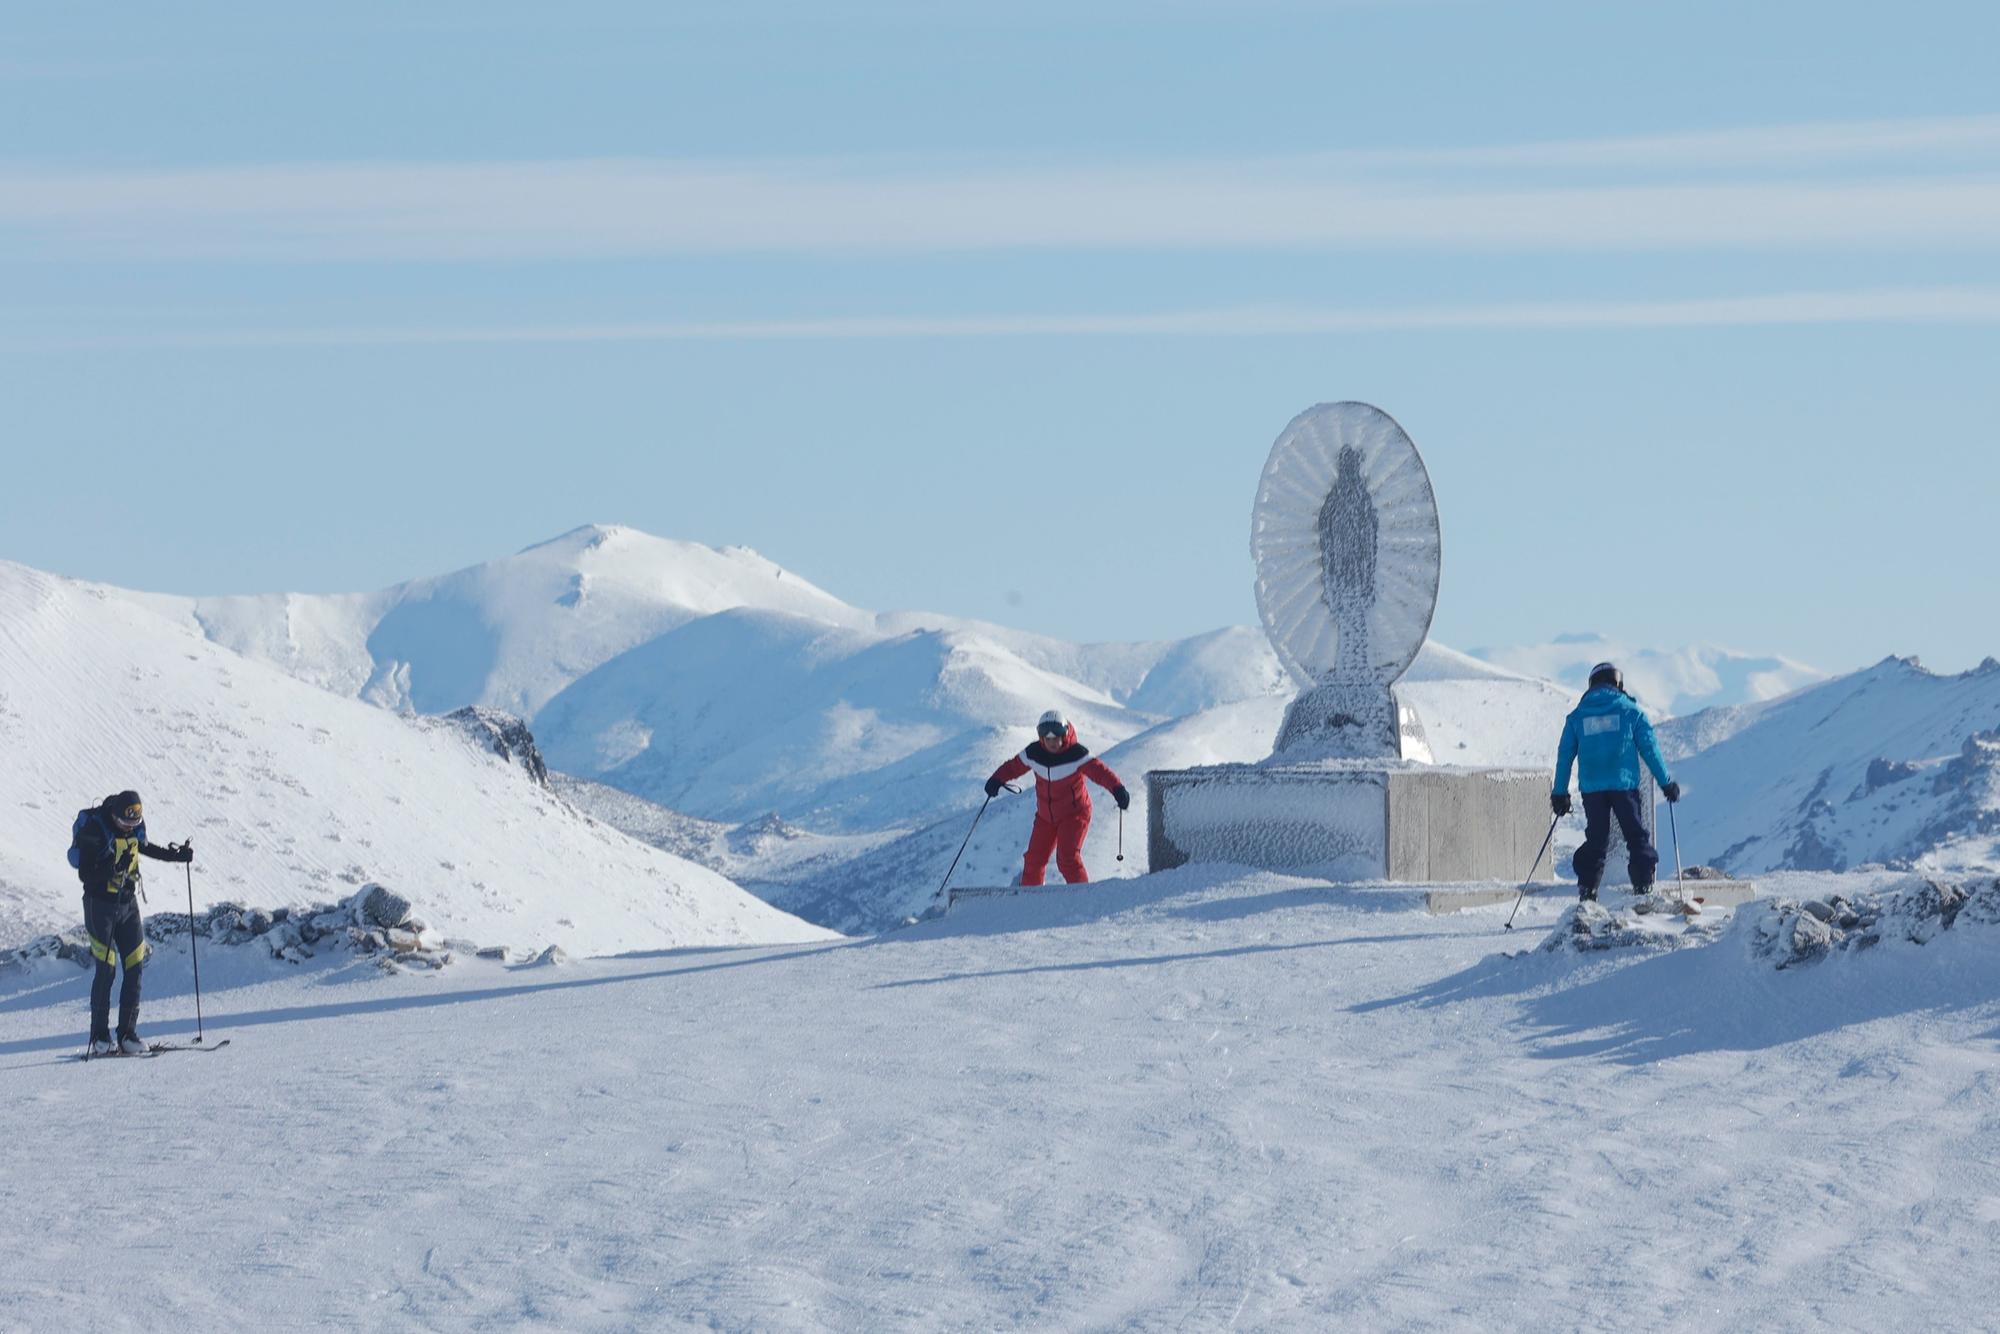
[583, 538]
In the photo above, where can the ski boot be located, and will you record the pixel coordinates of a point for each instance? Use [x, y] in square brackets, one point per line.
[101, 1045]
[131, 1044]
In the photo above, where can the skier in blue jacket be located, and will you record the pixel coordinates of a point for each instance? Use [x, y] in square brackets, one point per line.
[1605, 737]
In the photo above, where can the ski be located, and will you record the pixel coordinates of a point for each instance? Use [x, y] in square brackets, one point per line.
[157, 1048]
[152, 1049]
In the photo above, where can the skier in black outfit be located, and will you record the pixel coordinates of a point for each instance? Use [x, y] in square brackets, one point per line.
[109, 842]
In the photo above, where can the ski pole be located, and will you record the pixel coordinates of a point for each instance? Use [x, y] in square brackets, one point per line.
[1529, 879]
[961, 849]
[188, 866]
[1680, 889]
[1121, 833]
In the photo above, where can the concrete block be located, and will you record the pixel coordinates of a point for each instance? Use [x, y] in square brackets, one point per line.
[1352, 819]
[1440, 902]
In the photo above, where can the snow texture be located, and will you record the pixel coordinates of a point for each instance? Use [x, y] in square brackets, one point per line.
[1201, 1100]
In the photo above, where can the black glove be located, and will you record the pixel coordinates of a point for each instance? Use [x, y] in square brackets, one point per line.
[992, 789]
[1672, 792]
[183, 852]
[1121, 796]
[1559, 802]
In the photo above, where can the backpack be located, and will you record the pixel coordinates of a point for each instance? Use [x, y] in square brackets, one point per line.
[83, 818]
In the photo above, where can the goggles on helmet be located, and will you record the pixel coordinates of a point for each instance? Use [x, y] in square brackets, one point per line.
[129, 818]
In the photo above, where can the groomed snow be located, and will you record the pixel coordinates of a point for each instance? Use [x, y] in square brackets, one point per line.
[1200, 1100]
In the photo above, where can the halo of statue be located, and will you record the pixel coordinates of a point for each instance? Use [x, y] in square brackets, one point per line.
[1346, 540]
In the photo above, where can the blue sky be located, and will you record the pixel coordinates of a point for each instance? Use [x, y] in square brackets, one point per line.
[996, 310]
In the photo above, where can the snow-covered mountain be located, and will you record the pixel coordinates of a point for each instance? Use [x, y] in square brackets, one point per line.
[294, 795]
[508, 634]
[1889, 764]
[1671, 682]
[719, 685]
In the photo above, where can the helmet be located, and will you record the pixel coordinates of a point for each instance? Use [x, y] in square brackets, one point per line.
[125, 810]
[1052, 724]
[1607, 674]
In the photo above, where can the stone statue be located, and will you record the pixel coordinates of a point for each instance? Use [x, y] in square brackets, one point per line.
[1342, 484]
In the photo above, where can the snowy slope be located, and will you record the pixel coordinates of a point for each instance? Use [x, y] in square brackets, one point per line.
[507, 634]
[294, 795]
[1201, 1101]
[1670, 682]
[1888, 764]
[747, 712]
[754, 854]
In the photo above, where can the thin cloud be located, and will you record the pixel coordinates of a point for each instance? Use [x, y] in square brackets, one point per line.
[1796, 146]
[1966, 305]
[1624, 194]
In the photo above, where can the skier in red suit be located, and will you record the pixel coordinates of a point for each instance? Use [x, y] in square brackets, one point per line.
[1062, 802]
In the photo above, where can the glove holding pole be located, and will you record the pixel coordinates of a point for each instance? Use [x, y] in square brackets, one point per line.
[1124, 799]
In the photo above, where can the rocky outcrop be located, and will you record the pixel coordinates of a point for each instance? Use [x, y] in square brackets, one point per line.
[1591, 927]
[504, 735]
[1790, 932]
[375, 922]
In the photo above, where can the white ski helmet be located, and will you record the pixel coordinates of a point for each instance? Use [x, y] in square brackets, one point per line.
[1053, 724]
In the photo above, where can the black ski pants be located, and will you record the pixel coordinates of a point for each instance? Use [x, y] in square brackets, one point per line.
[117, 935]
[1599, 810]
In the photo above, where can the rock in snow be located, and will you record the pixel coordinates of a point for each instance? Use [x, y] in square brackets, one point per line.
[1916, 910]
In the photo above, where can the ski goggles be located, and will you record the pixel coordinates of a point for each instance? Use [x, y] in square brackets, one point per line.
[129, 818]
[1050, 734]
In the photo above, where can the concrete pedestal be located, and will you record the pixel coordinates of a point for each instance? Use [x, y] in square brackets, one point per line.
[1352, 819]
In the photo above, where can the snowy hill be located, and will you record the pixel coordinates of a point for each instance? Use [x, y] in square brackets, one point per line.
[1670, 682]
[1205, 1100]
[1890, 764]
[294, 795]
[507, 634]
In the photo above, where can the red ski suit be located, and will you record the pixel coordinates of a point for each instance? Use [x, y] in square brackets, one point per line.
[1062, 804]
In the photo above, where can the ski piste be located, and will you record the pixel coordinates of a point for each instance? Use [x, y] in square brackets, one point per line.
[153, 1049]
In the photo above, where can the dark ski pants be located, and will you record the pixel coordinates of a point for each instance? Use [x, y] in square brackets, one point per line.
[116, 936]
[1599, 809]
[1065, 840]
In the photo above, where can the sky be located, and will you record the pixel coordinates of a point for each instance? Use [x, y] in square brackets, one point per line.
[996, 310]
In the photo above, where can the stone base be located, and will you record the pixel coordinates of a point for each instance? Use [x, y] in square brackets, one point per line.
[1352, 820]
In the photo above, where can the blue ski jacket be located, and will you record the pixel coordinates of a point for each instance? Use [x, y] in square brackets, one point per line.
[1605, 736]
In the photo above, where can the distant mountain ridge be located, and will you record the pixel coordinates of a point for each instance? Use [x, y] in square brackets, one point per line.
[1670, 682]
[832, 756]
[1891, 764]
[717, 683]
